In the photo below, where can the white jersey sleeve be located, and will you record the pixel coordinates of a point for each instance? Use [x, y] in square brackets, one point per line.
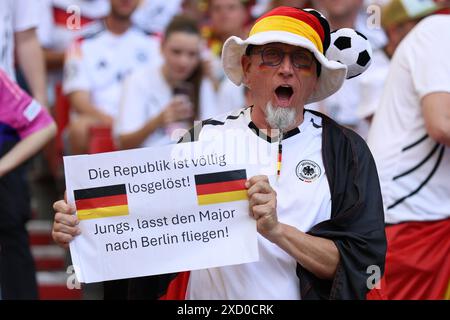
[26, 15]
[431, 77]
[133, 114]
[46, 25]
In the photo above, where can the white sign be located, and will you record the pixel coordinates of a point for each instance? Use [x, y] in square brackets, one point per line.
[159, 210]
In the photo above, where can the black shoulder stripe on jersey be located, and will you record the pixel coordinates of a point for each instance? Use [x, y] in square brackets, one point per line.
[231, 117]
[315, 125]
[291, 133]
[194, 133]
[212, 122]
[438, 161]
[415, 143]
[428, 157]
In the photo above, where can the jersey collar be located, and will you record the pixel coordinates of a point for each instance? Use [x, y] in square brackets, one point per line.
[265, 137]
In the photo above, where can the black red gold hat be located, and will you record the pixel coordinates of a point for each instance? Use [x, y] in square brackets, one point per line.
[304, 28]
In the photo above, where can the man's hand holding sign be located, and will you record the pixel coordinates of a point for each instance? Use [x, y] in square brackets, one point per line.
[187, 214]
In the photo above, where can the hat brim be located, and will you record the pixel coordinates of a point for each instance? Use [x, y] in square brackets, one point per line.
[332, 75]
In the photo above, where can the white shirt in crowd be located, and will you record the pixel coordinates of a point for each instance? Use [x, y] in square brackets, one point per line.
[154, 15]
[59, 24]
[15, 16]
[146, 94]
[414, 169]
[230, 97]
[99, 63]
[303, 200]
[342, 106]
[372, 83]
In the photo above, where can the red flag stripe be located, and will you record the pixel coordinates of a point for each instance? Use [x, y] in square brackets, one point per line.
[177, 287]
[417, 263]
[101, 202]
[218, 187]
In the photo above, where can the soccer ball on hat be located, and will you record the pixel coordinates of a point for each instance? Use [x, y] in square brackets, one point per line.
[351, 48]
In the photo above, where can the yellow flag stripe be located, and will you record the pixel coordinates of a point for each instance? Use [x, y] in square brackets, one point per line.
[447, 294]
[105, 212]
[222, 197]
[288, 24]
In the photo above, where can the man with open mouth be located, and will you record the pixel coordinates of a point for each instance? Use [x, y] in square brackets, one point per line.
[320, 216]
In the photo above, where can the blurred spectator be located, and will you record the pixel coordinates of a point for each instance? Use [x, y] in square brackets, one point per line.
[59, 25]
[196, 9]
[353, 14]
[25, 127]
[18, 22]
[227, 18]
[397, 18]
[290, 3]
[343, 105]
[410, 141]
[153, 16]
[96, 67]
[259, 8]
[160, 99]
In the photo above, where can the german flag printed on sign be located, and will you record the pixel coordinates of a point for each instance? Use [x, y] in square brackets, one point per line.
[101, 202]
[220, 187]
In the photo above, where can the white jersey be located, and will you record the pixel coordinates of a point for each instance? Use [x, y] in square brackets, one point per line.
[303, 200]
[414, 169]
[62, 21]
[99, 63]
[146, 94]
[15, 16]
[372, 83]
[154, 15]
[342, 106]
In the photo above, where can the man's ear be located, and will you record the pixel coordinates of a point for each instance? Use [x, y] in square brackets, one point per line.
[245, 63]
[316, 84]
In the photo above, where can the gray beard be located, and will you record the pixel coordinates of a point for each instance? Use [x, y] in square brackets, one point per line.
[280, 118]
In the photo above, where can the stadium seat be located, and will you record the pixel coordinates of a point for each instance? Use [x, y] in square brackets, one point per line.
[101, 140]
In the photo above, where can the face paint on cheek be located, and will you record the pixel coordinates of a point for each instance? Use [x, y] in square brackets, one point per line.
[307, 72]
[263, 66]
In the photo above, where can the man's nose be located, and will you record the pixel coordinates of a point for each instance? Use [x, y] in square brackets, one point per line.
[286, 68]
[183, 60]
